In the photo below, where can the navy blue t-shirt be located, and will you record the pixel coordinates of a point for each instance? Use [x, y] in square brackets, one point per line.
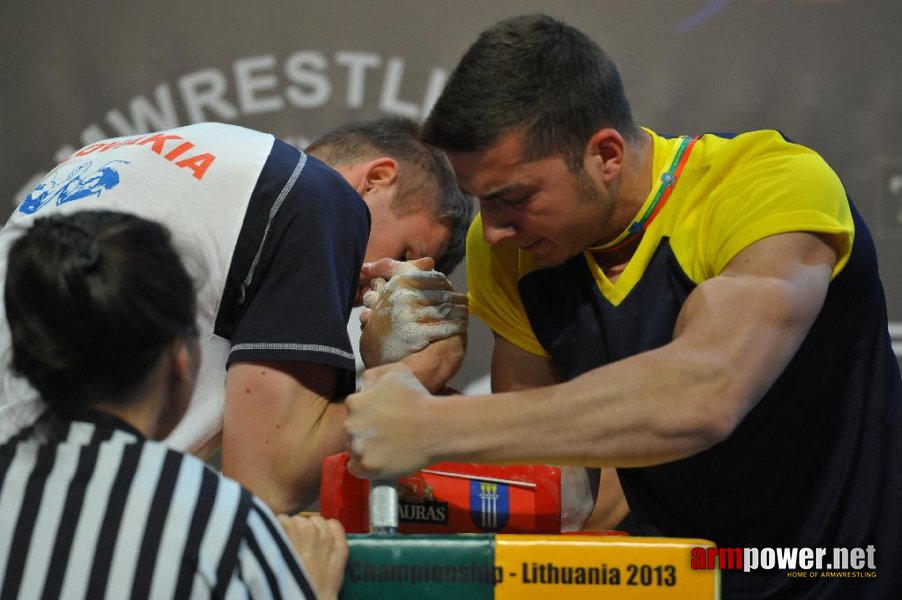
[295, 270]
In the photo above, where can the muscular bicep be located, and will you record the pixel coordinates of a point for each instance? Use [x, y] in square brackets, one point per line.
[516, 369]
[279, 423]
[749, 321]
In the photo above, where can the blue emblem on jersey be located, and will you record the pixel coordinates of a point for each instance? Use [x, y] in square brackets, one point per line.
[80, 182]
[489, 505]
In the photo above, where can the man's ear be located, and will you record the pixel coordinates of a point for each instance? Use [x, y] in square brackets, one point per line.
[380, 173]
[184, 354]
[604, 153]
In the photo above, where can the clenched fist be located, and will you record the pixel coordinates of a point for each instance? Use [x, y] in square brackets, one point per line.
[388, 424]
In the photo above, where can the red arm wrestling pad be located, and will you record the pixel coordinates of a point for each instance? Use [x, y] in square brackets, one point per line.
[451, 498]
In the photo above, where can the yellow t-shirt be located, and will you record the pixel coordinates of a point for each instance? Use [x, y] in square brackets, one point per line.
[732, 192]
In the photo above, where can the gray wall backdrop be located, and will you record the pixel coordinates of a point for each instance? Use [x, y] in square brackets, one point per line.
[825, 72]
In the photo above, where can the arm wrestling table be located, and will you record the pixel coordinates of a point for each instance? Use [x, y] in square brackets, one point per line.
[480, 531]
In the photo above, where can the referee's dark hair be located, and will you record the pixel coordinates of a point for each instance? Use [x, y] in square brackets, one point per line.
[92, 298]
[536, 75]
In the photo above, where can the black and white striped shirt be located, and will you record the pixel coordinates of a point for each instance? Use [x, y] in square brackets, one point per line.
[91, 509]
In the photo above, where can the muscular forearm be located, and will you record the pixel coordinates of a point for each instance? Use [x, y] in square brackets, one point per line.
[641, 420]
[277, 430]
[300, 478]
[326, 437]
[599, 419]
[284, 467]
[438, 362]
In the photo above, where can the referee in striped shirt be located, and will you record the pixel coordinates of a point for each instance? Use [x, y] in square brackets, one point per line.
[101, 312]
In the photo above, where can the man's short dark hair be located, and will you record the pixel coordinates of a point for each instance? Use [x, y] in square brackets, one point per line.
[422, 170]
[532, 74]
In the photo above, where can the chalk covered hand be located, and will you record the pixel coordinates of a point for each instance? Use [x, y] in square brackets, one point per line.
[388, 424]
[408, 306]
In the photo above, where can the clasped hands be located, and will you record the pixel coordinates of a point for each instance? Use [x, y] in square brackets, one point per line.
[407, 306]
[415, 324]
